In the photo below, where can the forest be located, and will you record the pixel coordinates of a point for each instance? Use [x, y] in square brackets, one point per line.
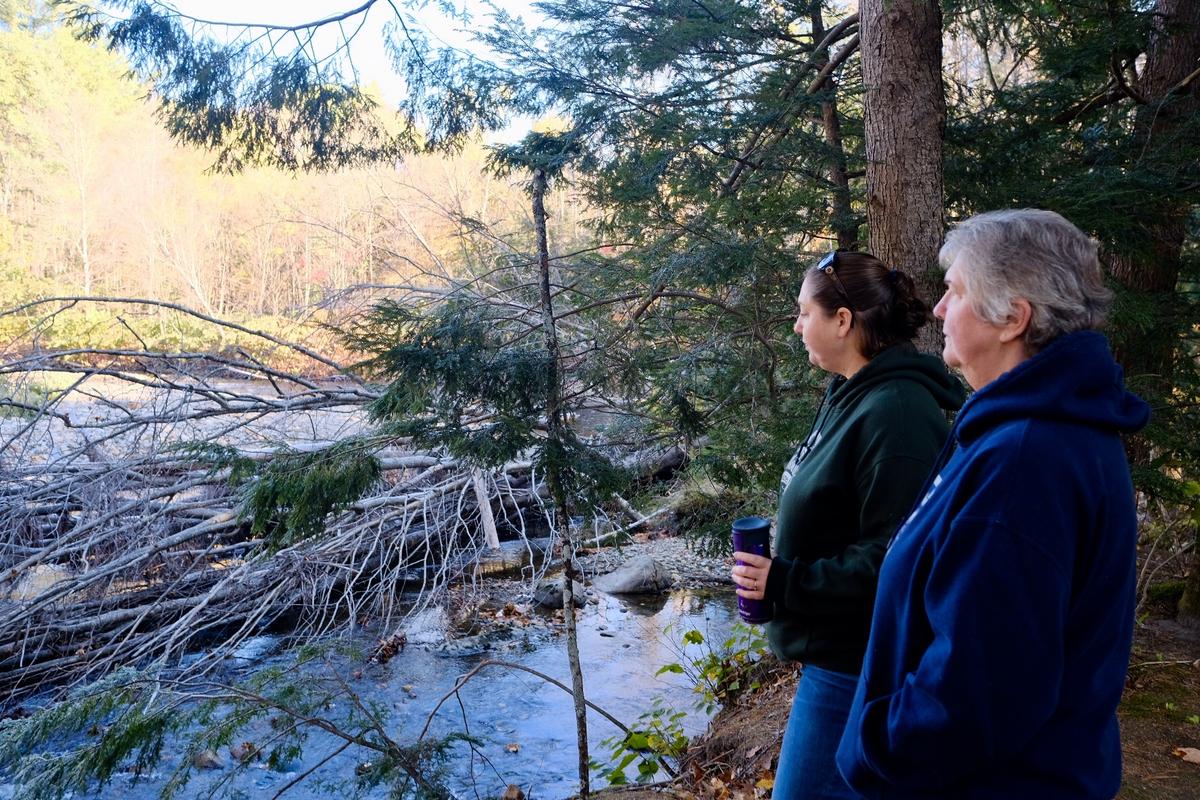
[287, 360]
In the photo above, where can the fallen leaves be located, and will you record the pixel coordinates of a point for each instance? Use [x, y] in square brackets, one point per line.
[725, 787]
[717, 789]
[387, 648]
[1189, 754]
[244, 752]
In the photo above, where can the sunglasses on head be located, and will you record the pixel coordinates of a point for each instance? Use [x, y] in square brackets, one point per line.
[828, 265]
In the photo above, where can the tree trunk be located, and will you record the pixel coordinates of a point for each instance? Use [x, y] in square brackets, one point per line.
[555, 435]
[1171, 55]
[905, 115]
[841, 216]
[85, 258]
[84, 234]
[1153, 272]
[1188, 613]
[487, 521]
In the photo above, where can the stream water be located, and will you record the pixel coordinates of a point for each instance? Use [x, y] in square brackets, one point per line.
[525, 725]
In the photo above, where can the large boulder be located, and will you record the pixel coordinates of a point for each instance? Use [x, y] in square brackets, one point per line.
[641, 575]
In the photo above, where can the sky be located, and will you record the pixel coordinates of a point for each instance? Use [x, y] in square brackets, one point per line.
[366, 52]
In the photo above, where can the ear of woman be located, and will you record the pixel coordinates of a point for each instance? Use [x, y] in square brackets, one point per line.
[1018, 320]
[845, 322]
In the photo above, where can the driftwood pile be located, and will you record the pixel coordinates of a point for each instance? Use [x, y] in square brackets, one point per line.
[119, 545]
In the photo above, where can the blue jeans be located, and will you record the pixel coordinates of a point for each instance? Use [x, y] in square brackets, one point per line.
[806, 761]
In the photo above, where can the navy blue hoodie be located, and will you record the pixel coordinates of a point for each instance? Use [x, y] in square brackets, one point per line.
[1002, 625]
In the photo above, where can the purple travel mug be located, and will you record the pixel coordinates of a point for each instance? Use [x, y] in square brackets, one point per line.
[753, 535]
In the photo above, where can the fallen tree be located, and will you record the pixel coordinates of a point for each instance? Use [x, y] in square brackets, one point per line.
[156, 502]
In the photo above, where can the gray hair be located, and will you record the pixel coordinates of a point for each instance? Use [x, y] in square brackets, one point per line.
[1036, 255]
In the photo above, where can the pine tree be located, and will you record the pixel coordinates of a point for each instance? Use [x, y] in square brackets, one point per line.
[491, 378]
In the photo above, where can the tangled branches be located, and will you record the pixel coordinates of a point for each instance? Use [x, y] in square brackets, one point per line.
[152, 503]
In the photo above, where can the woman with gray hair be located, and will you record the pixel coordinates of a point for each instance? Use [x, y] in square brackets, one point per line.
[1003, 622]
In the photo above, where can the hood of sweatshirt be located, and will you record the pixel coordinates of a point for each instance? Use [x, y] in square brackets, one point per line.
[900, 362]
[1074, 379]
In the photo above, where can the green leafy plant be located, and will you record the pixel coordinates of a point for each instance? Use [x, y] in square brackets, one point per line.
[652, 745]
[721, 674]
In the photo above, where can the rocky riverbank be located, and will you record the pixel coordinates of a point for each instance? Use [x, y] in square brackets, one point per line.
[687, 568]
[521, 577]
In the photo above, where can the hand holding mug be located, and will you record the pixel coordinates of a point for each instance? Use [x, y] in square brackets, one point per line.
[751, 575]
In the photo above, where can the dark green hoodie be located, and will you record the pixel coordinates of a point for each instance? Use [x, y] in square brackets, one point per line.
[849, 486]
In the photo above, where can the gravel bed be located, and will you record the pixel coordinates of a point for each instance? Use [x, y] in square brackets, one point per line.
[688, 568]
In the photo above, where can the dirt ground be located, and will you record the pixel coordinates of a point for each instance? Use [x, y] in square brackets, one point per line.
[1159, 714]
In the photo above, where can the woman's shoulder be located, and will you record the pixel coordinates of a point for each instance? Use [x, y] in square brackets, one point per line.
[1038, 442]
[901, 420]
[901, 398]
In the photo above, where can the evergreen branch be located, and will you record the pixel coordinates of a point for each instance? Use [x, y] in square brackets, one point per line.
[304, 775]
[836, 33]
[302, 26]
[1118, 75]
[1118, 89]
[822, 77]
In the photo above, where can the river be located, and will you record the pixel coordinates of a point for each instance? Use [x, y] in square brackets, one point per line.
[525, 725]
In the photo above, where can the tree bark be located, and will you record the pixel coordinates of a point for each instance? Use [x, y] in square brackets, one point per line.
[841, 216]
[487, 521]
[1172, 54]
[905, 116]
[1152, 273]
[555, 434]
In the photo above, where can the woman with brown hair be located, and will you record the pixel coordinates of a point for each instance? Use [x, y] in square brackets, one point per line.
[843, 493]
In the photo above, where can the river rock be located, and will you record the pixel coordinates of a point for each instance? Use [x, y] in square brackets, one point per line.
[640, 575]
[207, 759]
[244, 752]
[426, 627]
[550, 594]
[256, 648]
[513, 792]
[462, 648]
